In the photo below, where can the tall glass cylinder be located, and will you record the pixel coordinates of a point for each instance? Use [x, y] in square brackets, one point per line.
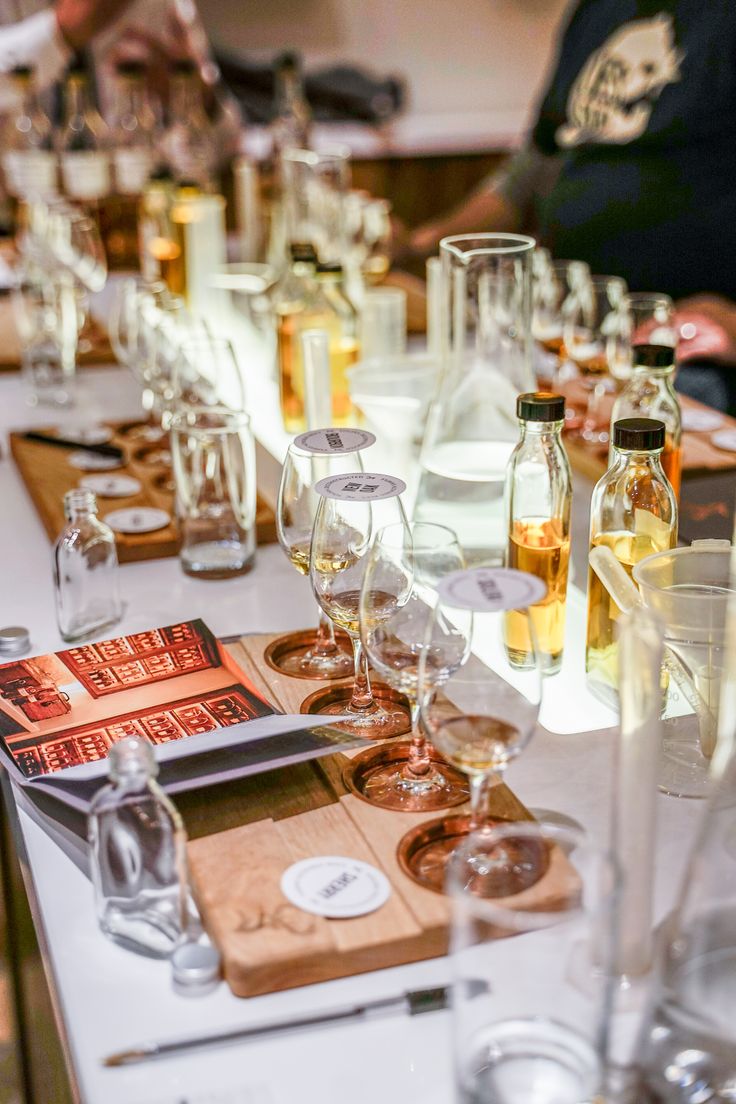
[472, 428]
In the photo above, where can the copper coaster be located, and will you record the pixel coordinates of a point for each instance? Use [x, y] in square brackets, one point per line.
[424, 851]
[335, 699]
[371, 776]
[285, 653]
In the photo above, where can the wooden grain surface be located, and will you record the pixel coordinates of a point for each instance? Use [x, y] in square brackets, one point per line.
[269, 945]
[47, 474]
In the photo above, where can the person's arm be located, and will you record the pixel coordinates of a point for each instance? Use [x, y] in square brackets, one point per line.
[706, 329]
[499, 203]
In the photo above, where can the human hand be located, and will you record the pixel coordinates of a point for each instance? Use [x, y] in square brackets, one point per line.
[81, 20]
[706, 329]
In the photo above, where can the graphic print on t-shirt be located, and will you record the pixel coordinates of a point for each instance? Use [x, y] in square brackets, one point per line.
[612, 98]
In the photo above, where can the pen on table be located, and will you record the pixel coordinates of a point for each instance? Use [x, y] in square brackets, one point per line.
[414, 1003]
[63, 442]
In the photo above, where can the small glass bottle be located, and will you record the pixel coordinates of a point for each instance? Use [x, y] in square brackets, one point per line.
[83, 146]
[85, 570]
[29, 159]
[634, 513]
[289, 295]
[293, 119]
[649, 393]
[138, 855]
[190, 141]
[538, 502]
[324, 307]
[160, 253]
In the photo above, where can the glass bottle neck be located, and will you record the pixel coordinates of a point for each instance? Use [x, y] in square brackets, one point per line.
[186, 99]
[624, 457]
[28, 98]
[657, 375]
[541, 429]
[80, 505]
[78, 102]
[131, 104]
[290, 94]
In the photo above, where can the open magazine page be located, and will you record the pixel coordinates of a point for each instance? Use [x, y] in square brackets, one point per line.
[176, 687]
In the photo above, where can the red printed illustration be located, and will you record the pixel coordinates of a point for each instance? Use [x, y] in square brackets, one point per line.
[67, 708]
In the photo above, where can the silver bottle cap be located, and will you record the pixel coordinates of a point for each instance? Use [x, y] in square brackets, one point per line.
[195, 969]
[14, 639]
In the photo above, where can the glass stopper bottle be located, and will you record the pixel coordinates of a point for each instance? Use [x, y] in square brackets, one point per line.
[189, 140]
[138, 855]
[649, 393]
[29, 159]
[83, 146]
[85, 570]
[293, 119]
[634, 513]
[538, 502]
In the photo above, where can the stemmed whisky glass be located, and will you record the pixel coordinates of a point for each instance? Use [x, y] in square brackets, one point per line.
[341, 540]
[407, 564]
[295, 512]
[594, 330]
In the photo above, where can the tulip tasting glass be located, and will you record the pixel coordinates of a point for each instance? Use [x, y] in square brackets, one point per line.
[213, 456]
[531, 965]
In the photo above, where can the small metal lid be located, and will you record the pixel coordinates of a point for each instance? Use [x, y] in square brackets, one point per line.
[653, 356]
[303, 251]
[540, 406]
[329, 268]
[195, 969]
[638, 434]
[14, 639]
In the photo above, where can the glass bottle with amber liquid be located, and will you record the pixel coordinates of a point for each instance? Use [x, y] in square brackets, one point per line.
[649, 393]
[159, 251]
[84, 154]
[538, 502]
[315, 302]
[634, 513]
[133, 137]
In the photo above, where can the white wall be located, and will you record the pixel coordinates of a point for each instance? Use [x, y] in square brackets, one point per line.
[483, 57]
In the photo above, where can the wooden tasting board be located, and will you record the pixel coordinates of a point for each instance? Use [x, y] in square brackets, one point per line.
[266, 943]
[11, 350]
[47, 474]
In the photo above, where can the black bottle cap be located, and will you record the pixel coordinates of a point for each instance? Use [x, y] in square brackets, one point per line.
[638, 434]
[540, 406]
[333, 267]
[303, 251]
[653, 356]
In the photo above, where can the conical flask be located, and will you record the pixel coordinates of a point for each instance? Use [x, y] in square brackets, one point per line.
[487, 361]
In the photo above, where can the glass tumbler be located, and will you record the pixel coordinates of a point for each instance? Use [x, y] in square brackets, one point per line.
[530, 1013]
[213, 457]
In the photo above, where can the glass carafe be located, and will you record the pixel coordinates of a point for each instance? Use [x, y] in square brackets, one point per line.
[472, 427]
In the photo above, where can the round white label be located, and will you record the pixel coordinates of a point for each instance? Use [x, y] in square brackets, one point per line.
[132, 169]
[334, 441]
[336, 887]
[143, 519]
[360, 487]
[111, 486]
[86, 435]
[725, 439]
[94, 461]
[85, 174]
[491, 589]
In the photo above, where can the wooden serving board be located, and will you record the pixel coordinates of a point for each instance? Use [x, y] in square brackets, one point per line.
[11, 349]
[47, 474]
[266, 943]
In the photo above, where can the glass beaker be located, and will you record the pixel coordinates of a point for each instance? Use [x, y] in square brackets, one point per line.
[472, 428]
[689, 588]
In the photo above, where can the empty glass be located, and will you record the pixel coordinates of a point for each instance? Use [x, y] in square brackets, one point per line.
[530, 994]
[649, 319]
[595, 334]
[213, 457]
[204, 369]
[315, 185]
[46, 318]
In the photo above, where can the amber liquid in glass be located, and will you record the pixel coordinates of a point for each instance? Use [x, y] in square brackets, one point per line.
[169, 257]
[539, 546]
[672, 465]
[343, 354]
[595, 366]
[343, 607]
[476, 744]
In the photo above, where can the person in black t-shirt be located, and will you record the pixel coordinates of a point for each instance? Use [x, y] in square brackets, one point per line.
[631, 166]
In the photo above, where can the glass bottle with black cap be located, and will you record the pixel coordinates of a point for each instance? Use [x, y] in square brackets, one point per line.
[633, 512]
[649, 393]
[538, 501]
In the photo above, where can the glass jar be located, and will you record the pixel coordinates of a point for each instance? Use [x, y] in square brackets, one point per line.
[633, 513]
[649, 393]
[138, 855]
[538, 502]
[85, 570]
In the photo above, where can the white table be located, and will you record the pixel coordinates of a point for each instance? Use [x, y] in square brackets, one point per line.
[109, 999]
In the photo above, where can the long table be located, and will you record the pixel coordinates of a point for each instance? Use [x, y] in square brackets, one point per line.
[107, 999]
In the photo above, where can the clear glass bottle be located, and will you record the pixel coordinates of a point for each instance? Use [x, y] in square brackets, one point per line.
[634, 513]
[311, 297]
[190, 141]
[132, 138]
[84, 143]
[293, 118]
[29, 158]
[538, 502]
[159, 251]
[649, 393]
[138, 855]
[85, 570]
